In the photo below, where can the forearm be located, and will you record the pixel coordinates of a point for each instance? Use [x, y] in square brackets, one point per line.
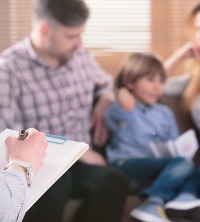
[12, 199]
[188, 51]
[104, 101]
[126, 99]
[173, 62]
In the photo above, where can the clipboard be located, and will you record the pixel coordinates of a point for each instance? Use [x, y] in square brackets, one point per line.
[55, 139]
[61, 154]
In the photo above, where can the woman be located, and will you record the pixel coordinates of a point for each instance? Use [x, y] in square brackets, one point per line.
[187, 84]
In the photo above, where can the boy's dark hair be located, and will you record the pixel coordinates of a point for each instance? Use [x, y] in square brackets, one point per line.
[67, 12]
[138, 65]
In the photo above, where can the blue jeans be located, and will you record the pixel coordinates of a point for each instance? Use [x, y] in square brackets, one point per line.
[192, 185]
[163, 177]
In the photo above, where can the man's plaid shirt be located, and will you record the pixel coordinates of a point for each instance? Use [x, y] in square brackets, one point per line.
[57, 101]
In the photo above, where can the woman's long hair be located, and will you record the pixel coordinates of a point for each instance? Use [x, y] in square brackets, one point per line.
[193, 66]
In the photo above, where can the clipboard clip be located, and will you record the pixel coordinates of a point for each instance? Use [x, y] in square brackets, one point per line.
[55, 139]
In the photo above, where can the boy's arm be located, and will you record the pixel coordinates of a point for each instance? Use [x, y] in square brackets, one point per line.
[125, 99]
[120, 111]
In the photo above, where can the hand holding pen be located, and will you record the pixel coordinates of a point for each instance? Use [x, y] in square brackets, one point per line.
[31, 150]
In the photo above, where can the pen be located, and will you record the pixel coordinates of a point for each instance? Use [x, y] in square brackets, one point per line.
[22, 134]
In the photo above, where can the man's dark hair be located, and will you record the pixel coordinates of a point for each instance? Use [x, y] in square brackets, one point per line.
[67, 12]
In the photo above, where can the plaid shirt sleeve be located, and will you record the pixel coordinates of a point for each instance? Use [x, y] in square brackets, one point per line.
[9, 94]
[102, 80]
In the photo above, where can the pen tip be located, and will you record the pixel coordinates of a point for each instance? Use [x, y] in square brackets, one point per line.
[23, 131]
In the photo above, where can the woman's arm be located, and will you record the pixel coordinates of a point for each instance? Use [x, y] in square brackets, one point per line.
[13, 187]
[189, 50]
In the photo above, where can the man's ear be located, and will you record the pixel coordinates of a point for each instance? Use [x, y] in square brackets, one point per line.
[44, 30]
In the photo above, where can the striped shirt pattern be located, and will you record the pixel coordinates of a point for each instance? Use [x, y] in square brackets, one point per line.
[13, 187]
[57, 101]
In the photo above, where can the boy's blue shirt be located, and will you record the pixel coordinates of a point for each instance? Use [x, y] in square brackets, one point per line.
[132, 131]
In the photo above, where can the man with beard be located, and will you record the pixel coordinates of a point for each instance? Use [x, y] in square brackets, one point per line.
[50, 82]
